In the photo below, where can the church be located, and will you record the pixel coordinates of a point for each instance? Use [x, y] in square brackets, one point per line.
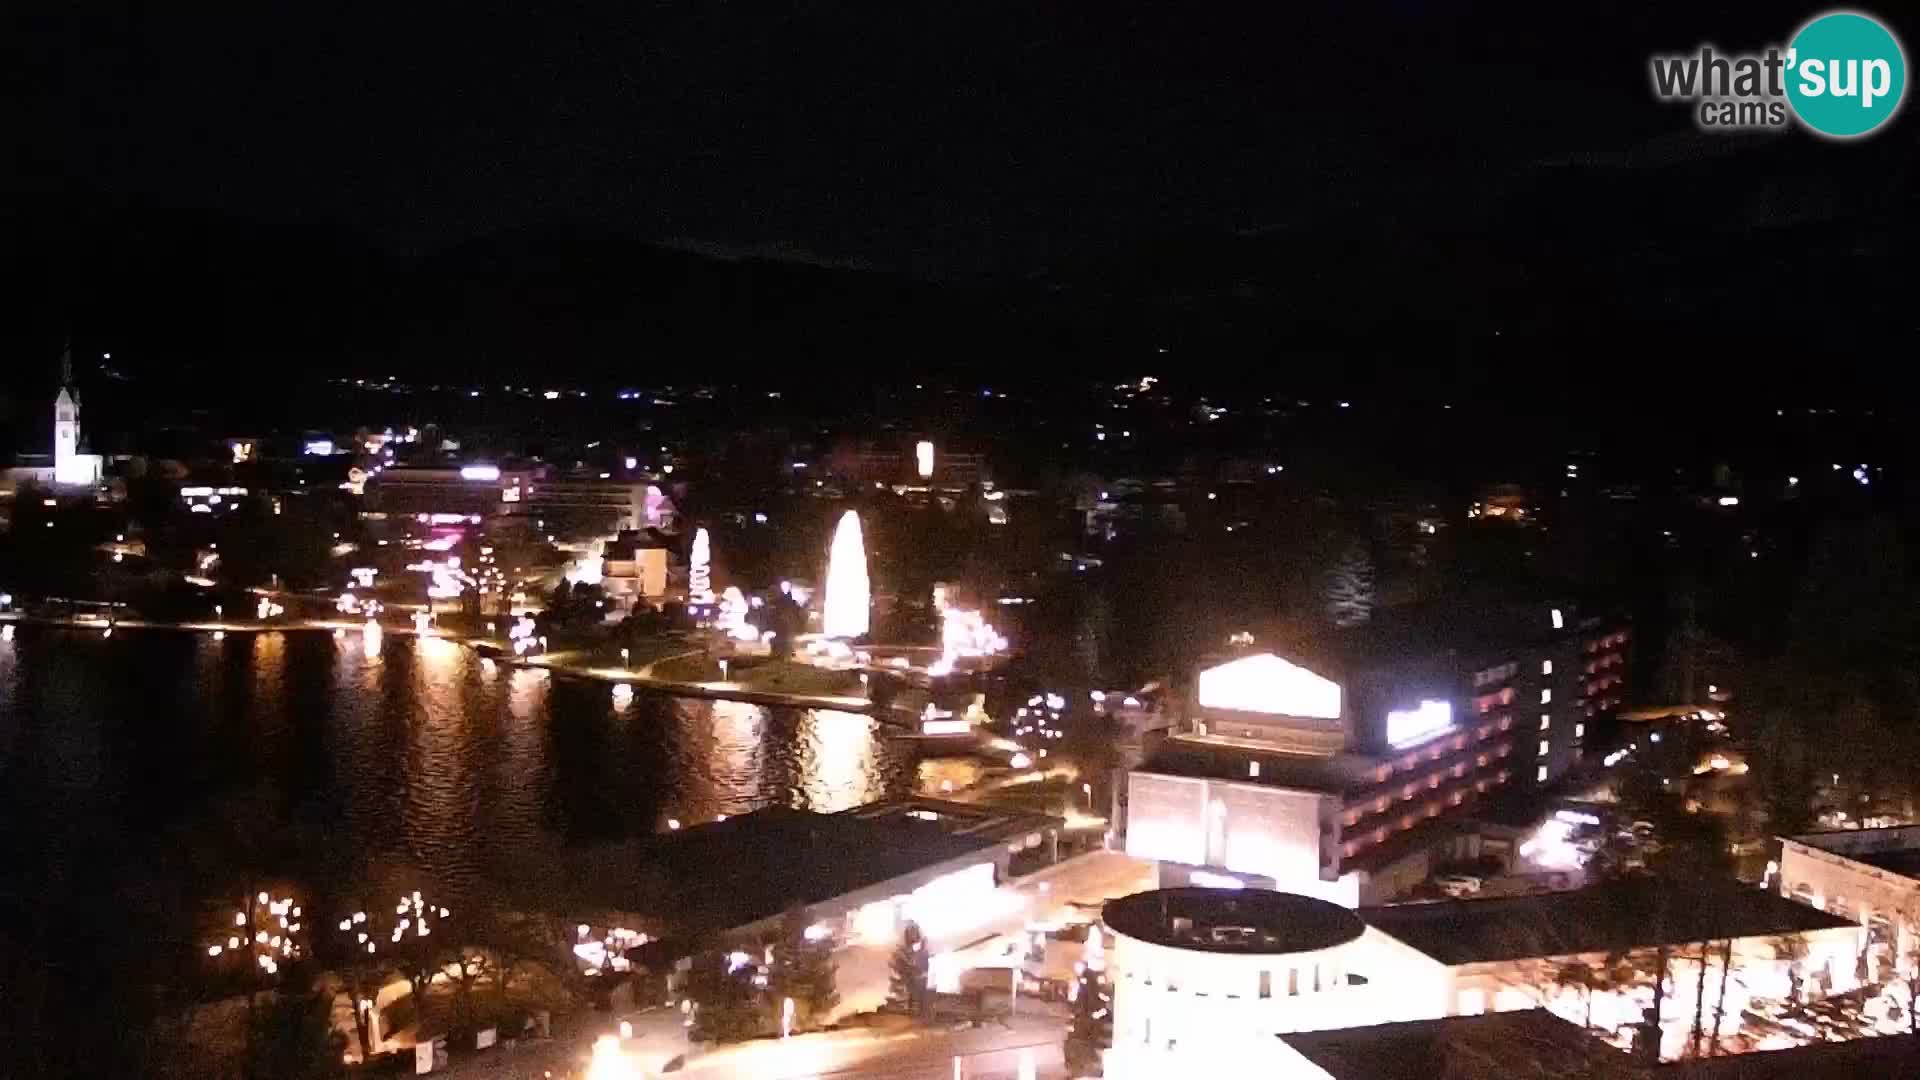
[69, 471]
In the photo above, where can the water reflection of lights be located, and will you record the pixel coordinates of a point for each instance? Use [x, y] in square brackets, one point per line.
[737, 759]
[370, 636]
[622, 697]
[438, 653]
[837, 770]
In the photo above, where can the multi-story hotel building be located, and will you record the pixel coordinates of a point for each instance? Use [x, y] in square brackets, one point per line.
[1335, 771]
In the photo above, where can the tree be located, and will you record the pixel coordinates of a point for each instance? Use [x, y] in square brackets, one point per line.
[378, 939]
[1907, 927]
[362, 980]
[1090, 1029]
[294, 1038]
[802, 969]
[727, 1005]
[1507, 1045]
[1576, 974]
[907, 982]
[1720, 1002]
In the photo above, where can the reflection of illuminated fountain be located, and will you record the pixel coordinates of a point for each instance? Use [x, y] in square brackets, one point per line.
[844, 614]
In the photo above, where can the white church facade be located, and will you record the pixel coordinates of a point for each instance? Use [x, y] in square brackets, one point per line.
[70, 471]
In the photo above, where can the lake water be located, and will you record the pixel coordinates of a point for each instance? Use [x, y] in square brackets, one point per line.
[139, 774]
[417, 749]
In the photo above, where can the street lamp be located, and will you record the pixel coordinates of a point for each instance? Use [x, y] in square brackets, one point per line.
[625, 662]
[1087, 790]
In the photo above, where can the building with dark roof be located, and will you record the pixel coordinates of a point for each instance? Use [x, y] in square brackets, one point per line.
[1534, 1042]
[859, 871]
[1604, 918]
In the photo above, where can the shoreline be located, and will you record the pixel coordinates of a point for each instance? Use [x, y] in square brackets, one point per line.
[638, 680]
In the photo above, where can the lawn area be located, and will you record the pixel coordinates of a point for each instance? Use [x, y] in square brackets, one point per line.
[767, 676]
[792, 677]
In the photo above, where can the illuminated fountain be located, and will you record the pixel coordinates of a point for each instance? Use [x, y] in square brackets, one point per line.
[700, 569]
[844, 613]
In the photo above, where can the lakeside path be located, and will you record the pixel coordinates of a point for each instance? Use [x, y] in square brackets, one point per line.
[561, 664]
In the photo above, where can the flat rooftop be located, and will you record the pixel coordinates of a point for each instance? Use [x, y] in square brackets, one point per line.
[1425, 1049]
[1226, 759]
[1590, 920]
[1251, 921]
[1904, 863]
[730, 873]
[1895, 849]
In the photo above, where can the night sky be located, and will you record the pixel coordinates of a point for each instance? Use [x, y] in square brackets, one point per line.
[1228, 173]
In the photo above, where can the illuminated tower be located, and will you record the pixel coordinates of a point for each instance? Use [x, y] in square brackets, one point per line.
[66, 426]
[845, 612]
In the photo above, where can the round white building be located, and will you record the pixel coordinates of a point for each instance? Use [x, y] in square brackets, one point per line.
[1196, 968]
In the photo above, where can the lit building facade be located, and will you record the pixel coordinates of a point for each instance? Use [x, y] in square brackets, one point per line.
[1342, 787]
[1870, 876]
[573, 504]
[1205, 977]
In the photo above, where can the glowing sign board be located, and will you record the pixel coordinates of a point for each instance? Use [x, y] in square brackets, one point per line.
[480, 472]
[1264, 683]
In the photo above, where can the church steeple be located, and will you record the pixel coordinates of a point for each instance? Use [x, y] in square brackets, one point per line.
[67, 389]
[66, 416]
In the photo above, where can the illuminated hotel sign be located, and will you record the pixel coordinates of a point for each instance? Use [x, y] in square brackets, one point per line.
[480, 472]
[1408, 727]
[1267, 684]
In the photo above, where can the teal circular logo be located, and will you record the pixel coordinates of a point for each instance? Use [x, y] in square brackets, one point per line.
[1845, 74]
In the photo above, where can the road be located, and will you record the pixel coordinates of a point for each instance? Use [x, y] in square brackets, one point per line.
[988, 1053]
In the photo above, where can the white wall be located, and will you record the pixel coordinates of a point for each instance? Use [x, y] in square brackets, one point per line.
[1246, 828]
[1169, 998]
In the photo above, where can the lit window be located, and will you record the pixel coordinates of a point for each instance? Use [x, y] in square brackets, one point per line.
[1546, 667]
[1543, 748]
[1579, 731]
[1546, 721]
[1253, 768]
[1540, 777]
[1546, 696]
